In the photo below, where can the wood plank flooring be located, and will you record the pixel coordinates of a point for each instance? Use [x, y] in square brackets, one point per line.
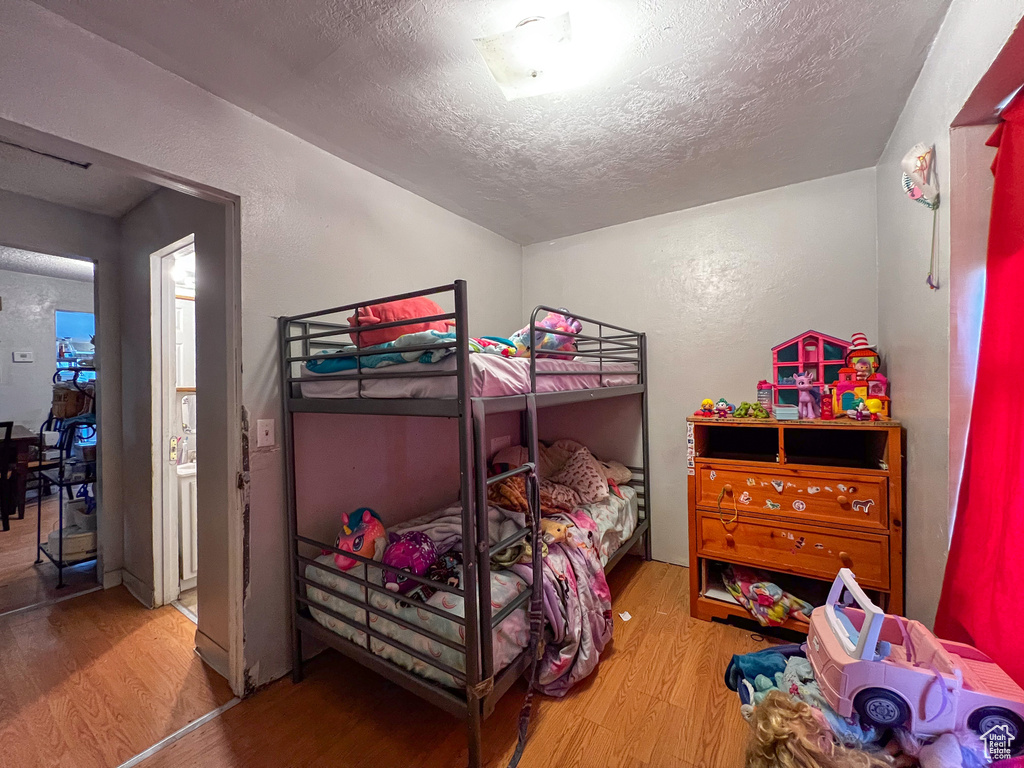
[22, 581]
[93, 681]
[656, 700]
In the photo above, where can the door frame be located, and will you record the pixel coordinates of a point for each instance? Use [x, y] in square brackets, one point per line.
[234, 546]
[162, 375]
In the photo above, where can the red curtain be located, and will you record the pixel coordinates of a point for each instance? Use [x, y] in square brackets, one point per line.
[982, 590]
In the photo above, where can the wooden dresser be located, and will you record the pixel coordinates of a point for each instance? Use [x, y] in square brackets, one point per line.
[798, 499]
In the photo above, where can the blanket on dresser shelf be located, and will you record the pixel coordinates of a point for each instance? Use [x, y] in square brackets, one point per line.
[577, 600]
[398, 351]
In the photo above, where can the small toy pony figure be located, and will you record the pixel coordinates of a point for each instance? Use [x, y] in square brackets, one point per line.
[363, 533]
[413, 552]
[546, 339]
[809, 403]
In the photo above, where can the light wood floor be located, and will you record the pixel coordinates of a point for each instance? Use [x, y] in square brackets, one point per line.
[22, 581]
[93, 681]
[657, 699]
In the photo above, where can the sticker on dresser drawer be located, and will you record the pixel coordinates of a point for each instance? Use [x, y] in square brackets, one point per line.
[862, 505]
[777, 485]
[745, 498]
[799, 505]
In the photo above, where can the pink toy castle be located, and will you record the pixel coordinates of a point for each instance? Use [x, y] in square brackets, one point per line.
[810, 352]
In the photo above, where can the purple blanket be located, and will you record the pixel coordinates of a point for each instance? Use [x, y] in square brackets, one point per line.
[577, 606]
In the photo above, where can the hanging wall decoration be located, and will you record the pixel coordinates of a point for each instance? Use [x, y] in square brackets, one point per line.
[921, 185]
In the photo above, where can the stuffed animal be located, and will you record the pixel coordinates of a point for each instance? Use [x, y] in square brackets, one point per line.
[554, 532]
[363, 533]
[446, 569]
[546, 339]
[413, 552]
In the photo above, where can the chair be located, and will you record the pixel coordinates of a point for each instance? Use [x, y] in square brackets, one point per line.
[7, 487]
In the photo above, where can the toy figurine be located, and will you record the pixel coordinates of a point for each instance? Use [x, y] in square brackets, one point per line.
[860, 412]
[723, 409]
[707, 408]
[827, 414]
[758, 412]
[809, 403]
[751, 411]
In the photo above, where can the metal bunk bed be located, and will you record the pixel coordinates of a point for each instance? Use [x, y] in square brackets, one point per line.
[481, 686]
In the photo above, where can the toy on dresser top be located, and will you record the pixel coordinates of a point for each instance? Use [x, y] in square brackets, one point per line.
[817, 376]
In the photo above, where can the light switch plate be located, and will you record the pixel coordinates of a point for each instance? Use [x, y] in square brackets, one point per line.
[24, 356]
[265, 433]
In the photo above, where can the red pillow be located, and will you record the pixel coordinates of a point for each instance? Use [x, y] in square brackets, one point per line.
[392, 311]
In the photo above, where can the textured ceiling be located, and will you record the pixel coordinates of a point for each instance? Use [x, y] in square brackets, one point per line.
[692, 101]
[93, 189]
[16, 260]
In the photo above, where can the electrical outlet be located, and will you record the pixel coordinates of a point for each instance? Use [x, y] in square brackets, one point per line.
[497, 443]
[265, 433]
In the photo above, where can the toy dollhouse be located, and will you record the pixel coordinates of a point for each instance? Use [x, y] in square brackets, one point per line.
[860, 382]
[810, 351]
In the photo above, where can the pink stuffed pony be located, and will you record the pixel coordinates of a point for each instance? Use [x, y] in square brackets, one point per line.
[547, 339]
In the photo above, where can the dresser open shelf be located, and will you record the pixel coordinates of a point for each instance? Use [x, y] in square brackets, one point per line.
[800, 499]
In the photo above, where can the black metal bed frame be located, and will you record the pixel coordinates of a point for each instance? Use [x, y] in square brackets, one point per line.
[481, 686]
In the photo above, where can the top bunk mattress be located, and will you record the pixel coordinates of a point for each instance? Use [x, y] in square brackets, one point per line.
[490, 375]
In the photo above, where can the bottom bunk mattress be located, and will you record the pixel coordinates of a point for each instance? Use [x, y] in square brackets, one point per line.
[615, 519]
[490, 375]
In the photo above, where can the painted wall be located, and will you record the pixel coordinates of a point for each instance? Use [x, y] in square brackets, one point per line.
[715, 288]
[316, 231]
[26, 323]
[42, 227]
[914, 321]
[162, 219]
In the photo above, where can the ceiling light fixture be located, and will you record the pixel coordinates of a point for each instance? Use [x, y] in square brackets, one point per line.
[541, 55]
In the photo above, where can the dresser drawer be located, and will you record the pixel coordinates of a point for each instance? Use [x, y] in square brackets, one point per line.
[799, 549]
[797, 495]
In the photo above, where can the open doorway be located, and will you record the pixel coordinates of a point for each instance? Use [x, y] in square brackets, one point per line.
[48, 428]
[175, 496]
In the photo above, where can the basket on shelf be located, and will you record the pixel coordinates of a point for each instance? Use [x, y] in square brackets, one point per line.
[69, 401]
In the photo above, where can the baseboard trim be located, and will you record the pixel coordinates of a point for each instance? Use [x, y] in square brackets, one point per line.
[213, 655]
[113, 579]
[139, 589]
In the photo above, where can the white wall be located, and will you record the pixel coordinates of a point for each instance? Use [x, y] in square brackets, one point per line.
[315, 231]
[27, 323]
[913, 320]
[715, 288]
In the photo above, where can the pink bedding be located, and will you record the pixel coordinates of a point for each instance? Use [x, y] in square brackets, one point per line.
[492, 376]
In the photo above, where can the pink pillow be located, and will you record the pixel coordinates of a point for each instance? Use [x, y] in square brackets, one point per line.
[392, 311]
[583, 474]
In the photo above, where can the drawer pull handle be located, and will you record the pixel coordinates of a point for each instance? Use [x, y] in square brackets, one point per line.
[842, 501]
[727, 488]
[735, 509]
[846, 560]
[729, 540]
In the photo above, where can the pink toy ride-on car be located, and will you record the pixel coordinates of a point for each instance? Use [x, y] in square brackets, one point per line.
[893, 672]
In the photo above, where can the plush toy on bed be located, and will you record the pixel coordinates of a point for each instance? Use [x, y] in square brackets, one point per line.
[413, 552]
[363, 533]
[546, 339]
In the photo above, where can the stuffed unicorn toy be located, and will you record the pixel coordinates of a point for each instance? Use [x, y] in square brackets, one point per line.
[548, 339]
[363, 533]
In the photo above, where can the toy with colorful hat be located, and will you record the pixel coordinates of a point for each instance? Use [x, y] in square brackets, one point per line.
[860, 382]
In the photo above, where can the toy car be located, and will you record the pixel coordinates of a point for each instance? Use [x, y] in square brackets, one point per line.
[894, 672]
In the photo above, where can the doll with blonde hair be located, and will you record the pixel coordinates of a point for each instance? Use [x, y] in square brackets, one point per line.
[787, 733]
